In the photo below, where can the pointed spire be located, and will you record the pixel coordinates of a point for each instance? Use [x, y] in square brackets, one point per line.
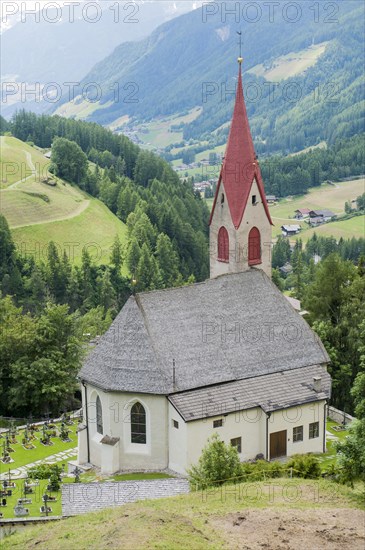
[240, 164]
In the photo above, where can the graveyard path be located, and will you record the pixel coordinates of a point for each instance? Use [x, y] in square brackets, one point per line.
[17, 473]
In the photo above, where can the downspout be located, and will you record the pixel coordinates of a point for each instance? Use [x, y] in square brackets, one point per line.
[267, 435]
[87, 423]
[324, 425]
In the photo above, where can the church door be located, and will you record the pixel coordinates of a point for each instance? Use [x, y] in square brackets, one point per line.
[277, 444]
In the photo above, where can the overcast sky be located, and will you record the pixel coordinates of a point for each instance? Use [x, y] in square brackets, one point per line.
[13, 10]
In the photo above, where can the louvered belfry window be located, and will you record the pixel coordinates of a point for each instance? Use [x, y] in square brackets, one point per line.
[254, 247]
[223, 245]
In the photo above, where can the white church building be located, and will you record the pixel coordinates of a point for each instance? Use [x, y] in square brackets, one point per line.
[228, 355]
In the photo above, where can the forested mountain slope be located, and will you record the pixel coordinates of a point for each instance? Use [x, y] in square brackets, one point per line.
[168, 73]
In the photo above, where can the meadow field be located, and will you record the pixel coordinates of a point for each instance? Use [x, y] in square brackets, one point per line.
[38, 213]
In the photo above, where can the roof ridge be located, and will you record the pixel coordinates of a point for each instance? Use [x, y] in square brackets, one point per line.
[235, 380]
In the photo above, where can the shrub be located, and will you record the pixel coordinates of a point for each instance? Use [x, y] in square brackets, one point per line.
[45, 471]
[218, 463]
[260, 470]
[306, 466]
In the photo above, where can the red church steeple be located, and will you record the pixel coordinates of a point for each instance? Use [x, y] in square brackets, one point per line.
[240, 166]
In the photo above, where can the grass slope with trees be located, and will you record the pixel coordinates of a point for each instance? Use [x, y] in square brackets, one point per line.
[38, 212]
[50, 308]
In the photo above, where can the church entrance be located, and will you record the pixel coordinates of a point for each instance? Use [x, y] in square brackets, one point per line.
[278, 444]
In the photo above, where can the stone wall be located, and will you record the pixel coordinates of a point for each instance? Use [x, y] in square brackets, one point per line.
[339, 416]
[80, 498]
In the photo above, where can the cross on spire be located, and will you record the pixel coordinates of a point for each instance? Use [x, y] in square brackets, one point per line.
[240, 59]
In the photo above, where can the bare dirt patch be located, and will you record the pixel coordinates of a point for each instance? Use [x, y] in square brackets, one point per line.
[293, 529]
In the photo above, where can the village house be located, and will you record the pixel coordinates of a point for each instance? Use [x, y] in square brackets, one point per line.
[271, 199]
[289, 230]
[229, 355]
[302, 213]
[286, 269]
[316, 217]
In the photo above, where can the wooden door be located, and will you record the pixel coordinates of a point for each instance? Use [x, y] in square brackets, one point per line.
[278, 444]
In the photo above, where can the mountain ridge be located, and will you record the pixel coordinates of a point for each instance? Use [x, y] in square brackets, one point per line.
[169, 74]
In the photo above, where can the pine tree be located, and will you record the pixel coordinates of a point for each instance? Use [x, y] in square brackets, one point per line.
[107, 297]
[167, 260]
[145, 273]
[133, 256]
[116, 257]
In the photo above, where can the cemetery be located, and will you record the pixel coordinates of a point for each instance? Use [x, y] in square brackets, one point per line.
[35, 446]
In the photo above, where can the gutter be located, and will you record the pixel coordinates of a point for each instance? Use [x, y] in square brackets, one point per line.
[87, 423]
[267, 435]
[324, 424]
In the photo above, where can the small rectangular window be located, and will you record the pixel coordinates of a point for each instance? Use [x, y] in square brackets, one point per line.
[237, 442]
[218, 423]
[313, 430]
[253, 199]
[298, 433]
[175, 424]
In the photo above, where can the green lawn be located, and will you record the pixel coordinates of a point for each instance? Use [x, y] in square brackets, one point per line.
[22, 456]
[329, 458]
[36, 497]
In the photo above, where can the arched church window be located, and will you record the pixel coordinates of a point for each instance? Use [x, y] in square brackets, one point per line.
[138, 423]
[99, 416]
[223, 245]
[254, 247]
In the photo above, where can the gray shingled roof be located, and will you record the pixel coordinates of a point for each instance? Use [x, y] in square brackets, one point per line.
[270, 392]
[230, 328]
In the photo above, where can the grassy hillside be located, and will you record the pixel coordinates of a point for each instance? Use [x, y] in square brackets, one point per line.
[331, 197]
[95, 228]
[291, 64]
[278, 514]
[38, 213]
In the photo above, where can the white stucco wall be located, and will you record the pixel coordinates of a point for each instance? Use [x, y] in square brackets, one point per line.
[254, 216]
[116, 423]
[179, 448]
[178, 459]
[249, 425]
[304, 415]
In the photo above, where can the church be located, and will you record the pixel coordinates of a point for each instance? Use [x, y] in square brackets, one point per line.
[229, 355]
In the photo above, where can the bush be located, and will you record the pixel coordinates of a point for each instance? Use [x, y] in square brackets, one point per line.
[260, 470]
[218, 463]
[45, 471]
[306, 466]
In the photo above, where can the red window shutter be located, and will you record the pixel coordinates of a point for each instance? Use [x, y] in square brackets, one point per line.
[223, 245]
[254, 247]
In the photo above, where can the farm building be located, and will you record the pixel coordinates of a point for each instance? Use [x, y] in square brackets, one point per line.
[289, 230]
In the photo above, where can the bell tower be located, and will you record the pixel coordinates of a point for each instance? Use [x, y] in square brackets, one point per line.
[240, 222]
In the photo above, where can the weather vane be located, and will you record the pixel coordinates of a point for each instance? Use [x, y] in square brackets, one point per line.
[240, 59]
